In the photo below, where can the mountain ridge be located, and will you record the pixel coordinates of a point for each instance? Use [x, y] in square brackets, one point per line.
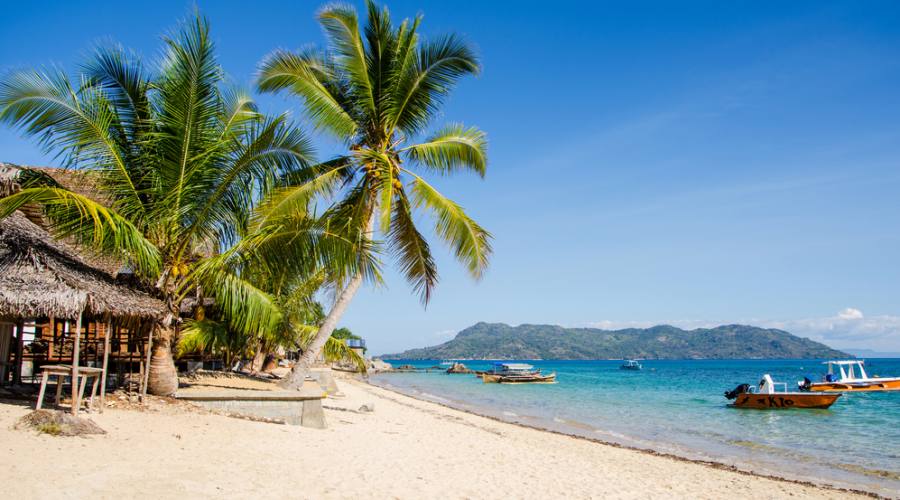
[534, 341]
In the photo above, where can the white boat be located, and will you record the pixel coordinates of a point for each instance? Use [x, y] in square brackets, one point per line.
[516, 373]
[631, 364]
[850, 375]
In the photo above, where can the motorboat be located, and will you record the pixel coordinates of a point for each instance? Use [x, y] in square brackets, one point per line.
[850, 376]
[631, 364]
[766, 396]
[516, 373]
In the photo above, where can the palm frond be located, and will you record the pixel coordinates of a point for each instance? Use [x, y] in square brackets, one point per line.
[78, 123]
[342, 27]
[206, 336]
[249, 310]
[187, 109]
[91, 224]
[126, 83]
[421, 88]
[411, 250]
[337, 350]
[308, 76]
[451, 148]
[470, 242]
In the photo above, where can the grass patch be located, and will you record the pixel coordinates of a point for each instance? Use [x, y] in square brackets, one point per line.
[51, 428]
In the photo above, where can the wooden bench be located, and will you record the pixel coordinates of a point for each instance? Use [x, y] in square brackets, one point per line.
[303, 407]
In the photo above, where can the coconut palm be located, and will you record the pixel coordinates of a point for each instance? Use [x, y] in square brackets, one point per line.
[179, 158]
[378, 90]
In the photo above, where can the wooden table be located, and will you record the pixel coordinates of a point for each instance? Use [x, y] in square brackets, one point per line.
[61, 371]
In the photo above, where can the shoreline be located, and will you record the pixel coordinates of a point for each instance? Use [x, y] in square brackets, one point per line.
[651, 452]
[405, 447]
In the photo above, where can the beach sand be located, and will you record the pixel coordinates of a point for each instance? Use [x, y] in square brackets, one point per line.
[406, 448]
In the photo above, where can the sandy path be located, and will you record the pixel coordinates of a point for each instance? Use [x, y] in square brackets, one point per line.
[405, 449]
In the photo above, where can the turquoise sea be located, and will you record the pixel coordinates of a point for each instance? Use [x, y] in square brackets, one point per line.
[678, 407]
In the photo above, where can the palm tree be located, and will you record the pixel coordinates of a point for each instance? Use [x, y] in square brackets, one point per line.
[181, 159]
[379, 91]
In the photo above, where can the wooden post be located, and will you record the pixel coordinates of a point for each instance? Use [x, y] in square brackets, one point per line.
[105, 364]
[6, 332]
[52, 342]
[75, 355]
[147, 365]
[20, 352]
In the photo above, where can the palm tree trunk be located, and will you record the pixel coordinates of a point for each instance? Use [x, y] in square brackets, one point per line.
[301, 369]
[259, 358]
[163, 379]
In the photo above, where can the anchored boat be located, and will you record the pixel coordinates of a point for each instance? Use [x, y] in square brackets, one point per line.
[631, 364]
[765, 396]
[850, 375]
[516, 373]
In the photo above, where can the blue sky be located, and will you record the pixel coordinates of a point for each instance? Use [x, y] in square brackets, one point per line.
[694, 164]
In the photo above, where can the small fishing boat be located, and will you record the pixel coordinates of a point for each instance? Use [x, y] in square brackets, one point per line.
[516, 373]
[631, 364]
[765, 396]
[850, 376]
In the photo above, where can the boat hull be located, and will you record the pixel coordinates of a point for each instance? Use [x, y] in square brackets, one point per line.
[866, 386]
[489, 378]
[785, 400]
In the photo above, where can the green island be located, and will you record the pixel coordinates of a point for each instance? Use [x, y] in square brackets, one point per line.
[501, 341]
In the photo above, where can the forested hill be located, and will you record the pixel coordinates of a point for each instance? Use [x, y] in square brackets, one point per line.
[501, 341]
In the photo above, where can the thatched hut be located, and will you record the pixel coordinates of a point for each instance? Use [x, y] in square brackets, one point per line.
[45, 287]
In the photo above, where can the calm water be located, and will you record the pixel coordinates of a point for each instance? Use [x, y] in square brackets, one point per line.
[678, 407]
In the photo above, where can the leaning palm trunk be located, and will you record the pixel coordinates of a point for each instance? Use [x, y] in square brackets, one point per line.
[301, 369]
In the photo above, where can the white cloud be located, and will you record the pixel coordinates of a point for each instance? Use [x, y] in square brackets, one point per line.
[850, 313]
[848, 329]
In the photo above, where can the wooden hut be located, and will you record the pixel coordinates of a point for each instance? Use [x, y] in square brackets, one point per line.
[57, 308]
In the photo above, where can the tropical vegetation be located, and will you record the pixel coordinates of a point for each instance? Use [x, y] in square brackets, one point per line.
[180, 159]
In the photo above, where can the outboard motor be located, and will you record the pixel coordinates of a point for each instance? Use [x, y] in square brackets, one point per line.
[741, 389]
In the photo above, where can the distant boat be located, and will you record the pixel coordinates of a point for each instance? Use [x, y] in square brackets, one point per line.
[631, 364]
[850, 375]
[516, 373]
[447, 362]
[766, 397]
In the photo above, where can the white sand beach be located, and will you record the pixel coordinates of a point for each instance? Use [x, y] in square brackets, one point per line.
[406, 448]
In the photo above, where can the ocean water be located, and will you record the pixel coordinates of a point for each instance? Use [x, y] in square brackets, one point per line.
[678, 407]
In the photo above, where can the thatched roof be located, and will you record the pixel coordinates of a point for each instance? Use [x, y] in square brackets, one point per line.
[43, 277]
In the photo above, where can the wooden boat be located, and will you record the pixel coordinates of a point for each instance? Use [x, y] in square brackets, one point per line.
[631, 364]
[766, 397]
[516, 373]
[850, 376]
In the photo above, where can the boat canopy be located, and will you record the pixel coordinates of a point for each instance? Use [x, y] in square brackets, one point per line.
[848, 369]
[514, 366]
